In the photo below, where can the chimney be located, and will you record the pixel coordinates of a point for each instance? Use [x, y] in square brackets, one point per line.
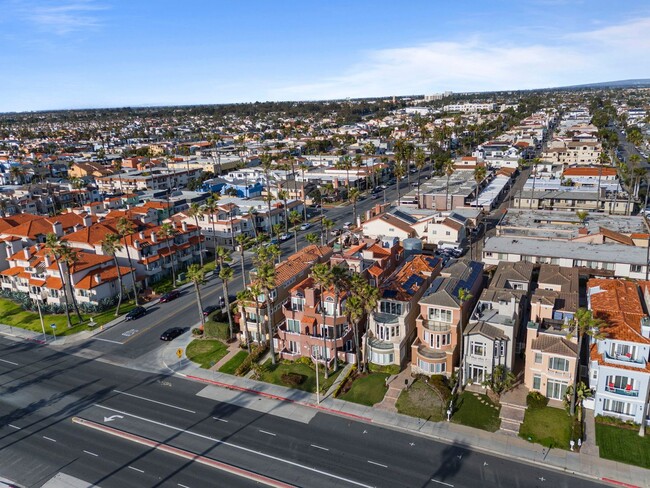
[184, 226]
[154, 237]
[9, 251]
[26, 253]
[88, 220]
[48, 260]
[141, 234]
[57, 228]
[98, 278]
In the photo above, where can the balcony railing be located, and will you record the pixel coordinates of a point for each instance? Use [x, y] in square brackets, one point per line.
[622, 391]
[624, 360]
[436, 325]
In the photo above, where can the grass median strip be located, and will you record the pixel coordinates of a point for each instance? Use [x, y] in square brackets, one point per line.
[205, 352]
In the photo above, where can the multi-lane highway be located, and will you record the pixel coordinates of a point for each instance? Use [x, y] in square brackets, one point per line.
[41, 391]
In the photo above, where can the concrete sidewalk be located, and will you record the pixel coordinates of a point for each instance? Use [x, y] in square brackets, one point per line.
[582, 464]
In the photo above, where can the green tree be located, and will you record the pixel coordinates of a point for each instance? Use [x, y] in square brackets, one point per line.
[111, 246]
[295, 219]
[420, 161]
[582, 216]
[583, 324]
[323, 277]
[353, 196]
[196, 274]
[311, 238]
[226, 274]
[211, 208]
[243, 241]
[70, 258]
[166, 233]
[341, 282]
[195, 212]
[124, 229]
[53, 248]
[501, 379]
[448, 167]
[266, 279]
[463, 296]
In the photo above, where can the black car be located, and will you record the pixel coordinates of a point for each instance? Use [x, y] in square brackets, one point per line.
[169, 296]
[171, 334]
[209, 309]
[136, 313]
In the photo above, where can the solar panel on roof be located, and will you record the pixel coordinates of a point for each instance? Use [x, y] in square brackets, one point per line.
[405, 217]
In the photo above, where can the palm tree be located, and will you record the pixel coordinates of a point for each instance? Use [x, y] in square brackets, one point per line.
[341, 282]
[222, 255]
[582, 216]
[53, 248]
[243, 297]
[17, 174]
[355, 311]
[284, 196]
[196, 274]
[195, 211]
[353, 196]
[70, 258]
[479, 175]
[110, 246]
[346, 164]
[226, 273]
[303, 167]
[295, 219]
[311, 238]
[535, 162]
[464, 296]
[125, 228]
[267, 164]
[211, 208]
[583, 323]
[243, 240]
[398, 171]
[323, 277]
[327, 224]
[167, 232]
[420, 160]
[256, 291]
[448, 167]
[3, 208]
[266, 280]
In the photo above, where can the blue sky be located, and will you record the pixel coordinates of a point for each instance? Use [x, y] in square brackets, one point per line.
[106, 53]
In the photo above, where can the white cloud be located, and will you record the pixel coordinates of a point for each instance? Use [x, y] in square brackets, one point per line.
[64, 17]
[477, 64]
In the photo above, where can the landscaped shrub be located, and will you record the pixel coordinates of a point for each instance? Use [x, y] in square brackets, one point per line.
[536, 400]
[256, 353]
[441, 384]
[197, 332]
[613, 421]
[388, 369]
[293, 379]
[342, 384]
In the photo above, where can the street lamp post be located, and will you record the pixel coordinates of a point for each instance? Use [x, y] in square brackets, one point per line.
[40, 316]
[54, 330]
[317, 384]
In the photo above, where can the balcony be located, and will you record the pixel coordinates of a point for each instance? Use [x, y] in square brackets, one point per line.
[433, 354]
[628, 391]
[378, 344]
[625, 360]
[436, 326]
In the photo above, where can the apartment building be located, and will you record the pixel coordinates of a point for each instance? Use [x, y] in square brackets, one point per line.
[573, 199]
[158, 178]
[391, 327]
[436, 348]
[619, 371]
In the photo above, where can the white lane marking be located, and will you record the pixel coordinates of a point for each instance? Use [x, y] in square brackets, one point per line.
[183, 486]
[235, 446]
[9, 362]
[319, 447]
[220, 420]
[108, 340]
[377, 464]
[266, 432]
[442, 483]
[154, 401]
[49, 439]
[14, 427]
[136, 469]
[92, 453]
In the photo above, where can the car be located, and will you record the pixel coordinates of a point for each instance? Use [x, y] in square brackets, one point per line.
[375, 196]
[305, 226]
[383, 187]
[285, 237]
[209, 309]
[347, 225]
[136, 313]
[171, 334]
[415, 184]
[169, 296]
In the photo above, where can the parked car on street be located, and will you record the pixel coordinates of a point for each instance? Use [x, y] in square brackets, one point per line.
[209, 309]
[285, 237]
[169, 296]
[136, 313]
[171, 334]
[305, 226]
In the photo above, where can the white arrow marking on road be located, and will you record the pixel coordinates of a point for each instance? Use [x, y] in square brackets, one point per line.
[442, 483]
[542, 479]
[460, 456]
[112, 417]
[484, 463]
[411, 444]
[365, 431]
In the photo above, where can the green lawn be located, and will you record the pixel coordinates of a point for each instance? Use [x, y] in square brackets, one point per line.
[367, 390]
[233, 363]
[205, 352]
[421, 401]
[548, 426]
[477, 411]
[623, 445]
[12, 314]
[273, 374]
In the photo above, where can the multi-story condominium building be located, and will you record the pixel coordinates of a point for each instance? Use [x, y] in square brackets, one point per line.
[617, 260]
[391, 327]
[153, 179]
[35, 272]
[470, 107]
[619, 371]
[574, 152]
[374, 259]
[494, 329]
[436, 348]
[573, 199]
[288, 273]
[315, 326]
[551, 349]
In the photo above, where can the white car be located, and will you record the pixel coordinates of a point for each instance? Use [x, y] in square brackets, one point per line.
[305, 226]
[347, 225]
[285, 237]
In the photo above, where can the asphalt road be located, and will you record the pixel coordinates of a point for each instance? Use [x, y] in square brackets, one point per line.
[41, 390]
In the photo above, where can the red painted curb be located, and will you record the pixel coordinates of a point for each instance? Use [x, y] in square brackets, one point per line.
[279, 398]
[619, 483]
[183, 453]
